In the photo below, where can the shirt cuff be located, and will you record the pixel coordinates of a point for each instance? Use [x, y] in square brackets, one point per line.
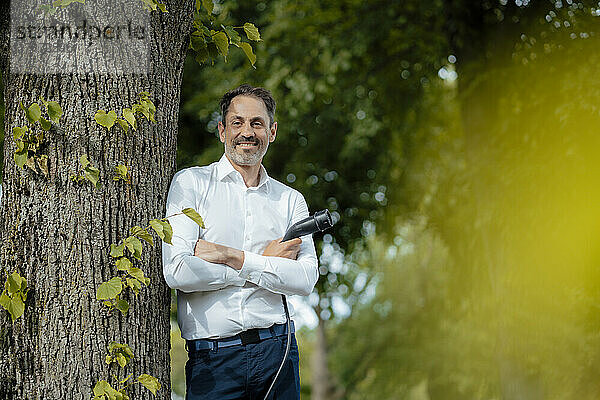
[253, 267]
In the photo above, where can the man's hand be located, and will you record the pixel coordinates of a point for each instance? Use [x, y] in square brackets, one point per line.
[218, 254]
[288, 249]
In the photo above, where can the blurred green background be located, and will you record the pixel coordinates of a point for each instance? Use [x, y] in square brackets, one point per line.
[457, 144]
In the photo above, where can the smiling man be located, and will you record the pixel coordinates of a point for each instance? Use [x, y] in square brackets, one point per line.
[230, 275]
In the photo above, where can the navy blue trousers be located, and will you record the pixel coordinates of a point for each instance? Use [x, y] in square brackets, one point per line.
[244, 372]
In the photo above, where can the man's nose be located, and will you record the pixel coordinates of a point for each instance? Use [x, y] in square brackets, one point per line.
[247, 130]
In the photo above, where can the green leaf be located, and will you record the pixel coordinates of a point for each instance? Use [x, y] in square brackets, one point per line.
[222, 43]
[123, 124]
[117, 251]
[197, 41]
[16, 307]
[126, 379]
[33, 113]
[104, 388]
[109, 290]
[251, 31]
[201, 56]
[123, 264]
[191, 213]
[105, 119]
[158, 228]
[4, 300]
[54, 111]
[134, 284]
[92, 174]
[248, 51]
[139, 275]
[13, 283]
[150, 382]
[142, 234]
[129, 117]
[46, 125]
[134, 245]
[21, 156]
[168, 231]
[233, 35]
[121, 173]
[208, 5]
[123, 306]
[162, 7]
[19, 132]
[83, 160]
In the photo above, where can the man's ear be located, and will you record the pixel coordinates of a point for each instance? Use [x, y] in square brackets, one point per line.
[273, 132]
[221, 129]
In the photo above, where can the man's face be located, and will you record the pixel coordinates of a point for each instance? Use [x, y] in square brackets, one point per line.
[246, 133]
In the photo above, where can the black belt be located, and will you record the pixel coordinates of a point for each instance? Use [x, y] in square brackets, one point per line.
[246, 337]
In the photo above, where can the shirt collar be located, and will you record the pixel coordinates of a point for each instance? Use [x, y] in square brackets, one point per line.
[225, 169]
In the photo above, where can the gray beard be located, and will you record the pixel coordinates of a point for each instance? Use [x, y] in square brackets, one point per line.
[245, 158]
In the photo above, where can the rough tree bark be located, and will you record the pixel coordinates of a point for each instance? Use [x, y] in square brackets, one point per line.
[57, 233]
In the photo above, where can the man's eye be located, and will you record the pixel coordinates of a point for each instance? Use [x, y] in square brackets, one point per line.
[257, 124]
[236, 123]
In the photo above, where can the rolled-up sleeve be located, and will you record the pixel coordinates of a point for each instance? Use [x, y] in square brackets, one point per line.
[181, 269]
[282, 275]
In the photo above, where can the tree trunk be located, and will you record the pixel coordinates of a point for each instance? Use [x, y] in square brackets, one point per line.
[57, 233]
[321, 387]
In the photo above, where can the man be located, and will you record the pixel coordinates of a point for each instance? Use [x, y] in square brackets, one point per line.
[230, 275]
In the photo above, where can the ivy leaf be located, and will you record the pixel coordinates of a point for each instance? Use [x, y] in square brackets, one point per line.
[33, 113]
[21, 156]
[16, 307]
[202, 56]
[123, 124]
[158, 228]
[251, 31]
[105, 119]
[19, 132]
[150, 382]
[92, 174]
[134, 284]
[109, 290]
[139, 275]
[233, 35]
[191, 213]
[197, 41]
[123, 264]
[117, 251]
[83, 160]
[168, 231]
[46, 125]
[121, 173]
[126, 379]
[208, 5]
[104, 388]
[142, 234]
[54, 111]
[123, 306]
[222, 43]
[248, 51]
[13, 283]
[134, 245]
[4, 301]
[129, 117]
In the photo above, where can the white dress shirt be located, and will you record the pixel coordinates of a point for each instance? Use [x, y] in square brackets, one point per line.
[215, 300]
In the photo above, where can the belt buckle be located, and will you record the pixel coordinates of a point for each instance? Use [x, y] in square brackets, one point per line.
[250, 336]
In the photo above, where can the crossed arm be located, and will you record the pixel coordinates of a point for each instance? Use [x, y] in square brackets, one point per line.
[234, 258]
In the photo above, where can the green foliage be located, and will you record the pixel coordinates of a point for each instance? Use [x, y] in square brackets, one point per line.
[144, 107]
[129, 276]
[121, 173]
[122, 355]
[153, 5]
[191, 213]
[14, 295]
[88, 173]
[212, 38]
[29, 139]
[119, 353]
